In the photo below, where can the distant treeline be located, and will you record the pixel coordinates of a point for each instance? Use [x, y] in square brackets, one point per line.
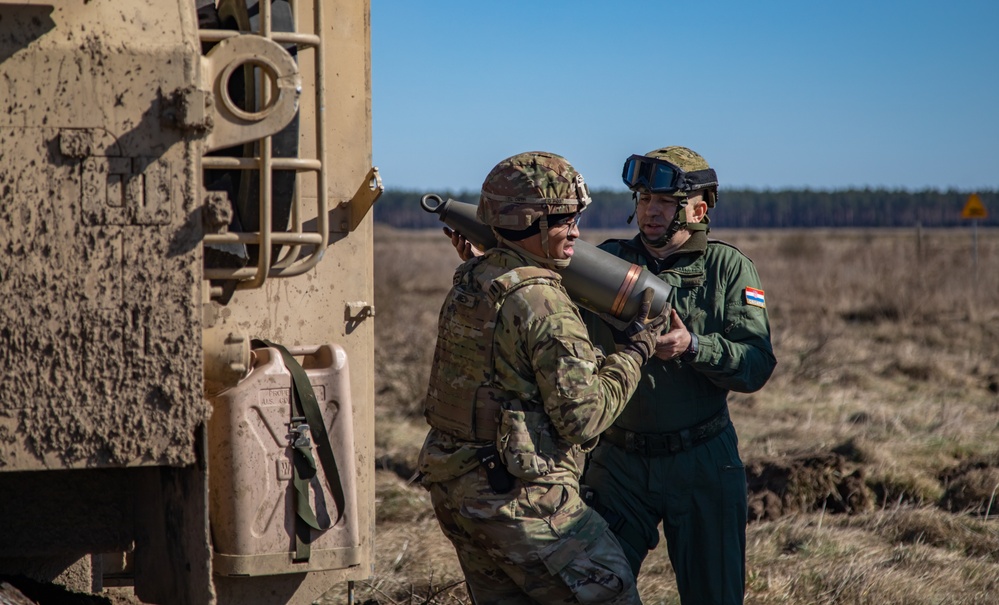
[748, 208]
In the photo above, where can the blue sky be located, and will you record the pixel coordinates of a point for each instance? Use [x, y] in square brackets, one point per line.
[783, 93]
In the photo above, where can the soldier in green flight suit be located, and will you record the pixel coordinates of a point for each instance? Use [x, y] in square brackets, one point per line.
[518, 394]
[672, 456]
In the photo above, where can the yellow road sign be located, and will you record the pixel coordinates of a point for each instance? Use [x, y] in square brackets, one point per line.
[973, 208]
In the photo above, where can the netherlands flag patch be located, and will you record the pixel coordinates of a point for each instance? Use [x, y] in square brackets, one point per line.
[755, 297]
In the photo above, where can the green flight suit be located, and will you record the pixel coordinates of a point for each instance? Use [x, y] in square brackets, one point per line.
[674, 458]
[538, 542]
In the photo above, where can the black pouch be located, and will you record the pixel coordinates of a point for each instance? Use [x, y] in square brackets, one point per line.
[499, 477]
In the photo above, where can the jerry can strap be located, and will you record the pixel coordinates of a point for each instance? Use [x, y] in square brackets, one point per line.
[306, 407]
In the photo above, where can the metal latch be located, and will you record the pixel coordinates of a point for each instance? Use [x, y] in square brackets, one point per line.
[300, 433]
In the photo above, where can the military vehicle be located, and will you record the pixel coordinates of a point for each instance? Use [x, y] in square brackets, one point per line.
[184, 186]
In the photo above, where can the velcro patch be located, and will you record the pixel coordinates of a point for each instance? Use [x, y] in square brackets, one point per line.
[755, 297]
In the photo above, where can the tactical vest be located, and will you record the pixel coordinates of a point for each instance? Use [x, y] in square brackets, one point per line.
[463, 399]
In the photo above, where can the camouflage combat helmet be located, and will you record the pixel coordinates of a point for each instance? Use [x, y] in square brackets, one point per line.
[675, 171]
[656, 172]
[525, 187]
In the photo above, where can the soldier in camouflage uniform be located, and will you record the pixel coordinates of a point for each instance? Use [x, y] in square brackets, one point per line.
[518, 394]
[672, 456]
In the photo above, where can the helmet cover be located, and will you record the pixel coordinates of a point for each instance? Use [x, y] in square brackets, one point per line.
[522, 188]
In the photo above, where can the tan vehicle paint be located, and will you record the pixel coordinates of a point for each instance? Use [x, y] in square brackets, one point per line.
[131, 293]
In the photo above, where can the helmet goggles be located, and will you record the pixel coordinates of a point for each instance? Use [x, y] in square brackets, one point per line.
[660, 176]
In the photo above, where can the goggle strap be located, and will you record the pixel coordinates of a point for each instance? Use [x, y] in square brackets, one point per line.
[700, 179]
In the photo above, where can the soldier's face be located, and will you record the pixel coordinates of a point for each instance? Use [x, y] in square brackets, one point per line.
[561, 239]
[654, 213]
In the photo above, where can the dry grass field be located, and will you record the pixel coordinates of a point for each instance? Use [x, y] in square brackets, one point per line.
[872, 453]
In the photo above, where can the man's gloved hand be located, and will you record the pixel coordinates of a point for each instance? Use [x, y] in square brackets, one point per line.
[642, 332]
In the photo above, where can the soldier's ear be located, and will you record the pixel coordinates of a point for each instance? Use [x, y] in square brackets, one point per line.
[697, 207]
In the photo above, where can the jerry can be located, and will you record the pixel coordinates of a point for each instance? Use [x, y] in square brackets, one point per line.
[251, 498]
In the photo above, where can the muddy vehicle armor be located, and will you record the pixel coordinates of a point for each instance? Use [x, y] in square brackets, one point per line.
[173, 341]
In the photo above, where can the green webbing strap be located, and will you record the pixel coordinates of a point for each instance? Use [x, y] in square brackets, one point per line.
[305, 471]
[304, 404]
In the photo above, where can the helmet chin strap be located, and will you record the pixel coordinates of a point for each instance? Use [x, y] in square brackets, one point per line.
[551, 263]
[543, 226]
[679, 222]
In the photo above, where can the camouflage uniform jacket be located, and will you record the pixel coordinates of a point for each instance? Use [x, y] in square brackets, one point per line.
[562, 392]
[710, 281]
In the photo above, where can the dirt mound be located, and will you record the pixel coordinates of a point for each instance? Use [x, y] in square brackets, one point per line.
[971, 487]
[837, 482]
[828, 481]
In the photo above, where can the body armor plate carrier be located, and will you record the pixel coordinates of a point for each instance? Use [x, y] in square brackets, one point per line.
[463, 399]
